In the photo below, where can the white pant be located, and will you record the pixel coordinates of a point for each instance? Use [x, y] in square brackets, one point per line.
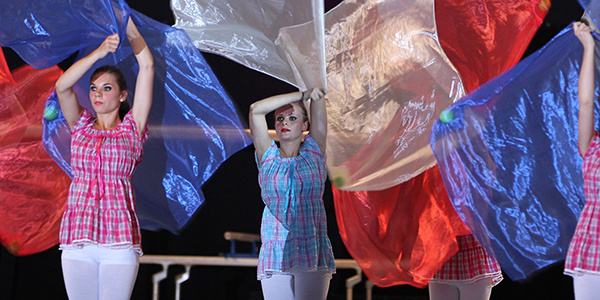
[94, 272]
[586, 287]
[297, 286]
[480, 289]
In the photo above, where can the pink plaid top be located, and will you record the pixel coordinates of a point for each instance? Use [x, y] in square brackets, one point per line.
[100, 208]
[294, 224]
[470, 263]
[584, 250]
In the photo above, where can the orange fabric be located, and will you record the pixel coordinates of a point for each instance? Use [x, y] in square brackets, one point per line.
[483, 45]
[33, 188]
[403, 234]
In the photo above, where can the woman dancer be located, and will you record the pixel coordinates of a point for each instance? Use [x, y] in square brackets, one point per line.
[296, 260]
[583, 257]
[100, 234]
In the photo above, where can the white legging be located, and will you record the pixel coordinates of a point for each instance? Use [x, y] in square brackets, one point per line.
[586, 286]
[475, 290]
[297, 286]
[94, 272]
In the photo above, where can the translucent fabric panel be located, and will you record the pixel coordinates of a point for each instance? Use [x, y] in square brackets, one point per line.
[481, 46]
[388, 79]
[510, 162]
[194, 125]
[250, 33]
[386, 73]
[30, 27]
[404, 236]
[470, 46]
[381, 100]
[33, 189]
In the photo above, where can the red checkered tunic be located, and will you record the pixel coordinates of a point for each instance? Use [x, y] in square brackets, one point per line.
[470, 263]
[101, 205]
[584, 250]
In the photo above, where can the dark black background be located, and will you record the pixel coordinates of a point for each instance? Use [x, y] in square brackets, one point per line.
[233, 204]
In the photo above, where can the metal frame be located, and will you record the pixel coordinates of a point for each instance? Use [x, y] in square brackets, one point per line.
[188, 261]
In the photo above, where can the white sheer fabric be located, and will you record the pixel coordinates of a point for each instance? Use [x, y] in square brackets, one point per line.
[248, 32]
[388, 81]
[388, 78]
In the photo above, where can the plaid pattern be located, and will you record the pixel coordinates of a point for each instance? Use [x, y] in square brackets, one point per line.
[101, 204]
[294, 224]
[584, 250]
[470, 263]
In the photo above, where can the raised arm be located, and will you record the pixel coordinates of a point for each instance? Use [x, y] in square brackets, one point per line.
[586, 87]
[64, 85]
[318, 118]
[258, 124]
[142, 101]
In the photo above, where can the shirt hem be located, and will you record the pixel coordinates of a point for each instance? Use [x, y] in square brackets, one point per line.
[269, 273]
[580, 272]
[496, 279]
[119, 246]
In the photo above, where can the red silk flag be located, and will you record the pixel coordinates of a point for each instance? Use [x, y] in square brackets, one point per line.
[33, 188]
[400, 235]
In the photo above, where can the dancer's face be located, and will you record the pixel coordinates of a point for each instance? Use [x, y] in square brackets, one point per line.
[105, 94]
[289, 122]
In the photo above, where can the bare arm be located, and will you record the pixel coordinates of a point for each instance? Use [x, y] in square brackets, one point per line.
[258, 124]
[318, 118]
[64, 85]
[586, 87]
[142, 101]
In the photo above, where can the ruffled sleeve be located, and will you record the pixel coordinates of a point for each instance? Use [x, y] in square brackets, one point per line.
[130, 125]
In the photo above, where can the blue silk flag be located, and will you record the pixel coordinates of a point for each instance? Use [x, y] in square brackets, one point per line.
[510, 162]
[194, 126]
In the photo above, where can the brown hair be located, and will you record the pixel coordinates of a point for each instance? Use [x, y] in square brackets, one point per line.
[304, 111]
